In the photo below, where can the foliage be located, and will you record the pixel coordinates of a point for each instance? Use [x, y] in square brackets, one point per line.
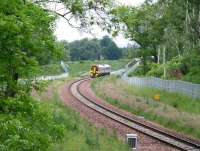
[109, 49]
[66, 55]
[27, 125]
[168, 112]
[83, 67]
[177, 68]
[81, 135]
[164, 25]
[137, 72]
[193, 75]
[85, 49]
[156, 70]
[26, 40]
[94, 49]
[51, 69]
[86, 13]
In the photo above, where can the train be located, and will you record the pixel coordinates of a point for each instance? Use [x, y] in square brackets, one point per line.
[100, 70]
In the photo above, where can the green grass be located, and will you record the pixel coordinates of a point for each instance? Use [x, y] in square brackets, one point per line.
[179, 101]
[174, 111]
[79, 134]
[82, 136]
[78, 68]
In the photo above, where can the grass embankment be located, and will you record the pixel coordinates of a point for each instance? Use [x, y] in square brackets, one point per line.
[79, 135]
[77, 68]
[174, 111]
[27, 124]
[83, 67]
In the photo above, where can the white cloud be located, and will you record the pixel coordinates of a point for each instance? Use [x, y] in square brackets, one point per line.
[65, 32]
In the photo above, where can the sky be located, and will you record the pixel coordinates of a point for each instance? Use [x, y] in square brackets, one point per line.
[65, 32]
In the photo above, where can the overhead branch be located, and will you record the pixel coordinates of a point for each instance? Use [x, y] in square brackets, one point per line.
[64, 16]
[47, 1]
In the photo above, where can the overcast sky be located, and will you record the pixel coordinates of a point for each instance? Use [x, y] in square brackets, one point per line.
[65, 32]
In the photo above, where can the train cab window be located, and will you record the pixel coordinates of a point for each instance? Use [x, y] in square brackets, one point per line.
[94, 68]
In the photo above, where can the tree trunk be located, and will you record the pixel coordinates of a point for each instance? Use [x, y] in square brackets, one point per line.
[11, 89]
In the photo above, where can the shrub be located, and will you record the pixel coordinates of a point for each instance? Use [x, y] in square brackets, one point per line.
[156, 70]
[193, 75]
[27, 125]
[139, 71]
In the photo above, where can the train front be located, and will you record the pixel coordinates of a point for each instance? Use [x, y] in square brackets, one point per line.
[94, 71]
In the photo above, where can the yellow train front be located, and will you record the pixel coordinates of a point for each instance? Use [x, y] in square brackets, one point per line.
[100, 70]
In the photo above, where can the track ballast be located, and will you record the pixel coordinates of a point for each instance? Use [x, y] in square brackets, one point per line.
[167, 137]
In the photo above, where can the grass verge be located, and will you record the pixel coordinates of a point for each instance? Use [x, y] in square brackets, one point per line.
[79, 135]
[173, 111]
[77, 68]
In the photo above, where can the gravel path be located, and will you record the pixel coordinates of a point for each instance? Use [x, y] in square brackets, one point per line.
[145, 143]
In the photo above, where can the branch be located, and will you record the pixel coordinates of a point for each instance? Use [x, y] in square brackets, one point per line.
[64, 16]
[46, 1]
[66, 13]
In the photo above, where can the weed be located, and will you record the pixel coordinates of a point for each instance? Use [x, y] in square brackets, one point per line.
[174, 111]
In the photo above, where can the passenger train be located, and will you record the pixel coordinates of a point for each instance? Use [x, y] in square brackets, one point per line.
[100, 70]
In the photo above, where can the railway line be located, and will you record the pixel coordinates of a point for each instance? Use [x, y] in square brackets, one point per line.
[176, 140]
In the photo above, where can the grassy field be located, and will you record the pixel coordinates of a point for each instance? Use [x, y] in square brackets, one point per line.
[174, 111]
[79, 135]
[77, 68]
[83, 67]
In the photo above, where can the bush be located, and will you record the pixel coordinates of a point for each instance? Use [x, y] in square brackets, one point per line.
[51, 69]
[193, 75]
[139, 71]
[27, 125]
[156, 70]
[175, 68]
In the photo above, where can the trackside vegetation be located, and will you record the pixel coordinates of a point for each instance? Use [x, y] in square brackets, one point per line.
[31, 124]
[167, 33]
[78, 134]
[82, 67]
[27, 41]
[77, 68]
[173, 111]
[26, 124]
[81, 135]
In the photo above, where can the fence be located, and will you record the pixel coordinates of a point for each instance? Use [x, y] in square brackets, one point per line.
[185, 88]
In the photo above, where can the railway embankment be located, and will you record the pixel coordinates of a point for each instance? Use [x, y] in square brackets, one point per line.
[174, 111]
[79, 133]
[80, 90]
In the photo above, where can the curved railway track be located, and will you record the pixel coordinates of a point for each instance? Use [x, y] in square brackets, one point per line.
[170, 138]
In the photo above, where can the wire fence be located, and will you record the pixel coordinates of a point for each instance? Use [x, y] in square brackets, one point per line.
[185, 88]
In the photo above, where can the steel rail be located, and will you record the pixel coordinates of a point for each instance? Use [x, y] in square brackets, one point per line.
[172, 139]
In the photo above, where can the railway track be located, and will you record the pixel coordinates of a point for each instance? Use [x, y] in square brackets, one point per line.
[170, 138]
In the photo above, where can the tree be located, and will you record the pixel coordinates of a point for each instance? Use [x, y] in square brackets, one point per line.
[85, 49]
[26, 40]
[85, 12]
[110, 49]
[66, 56]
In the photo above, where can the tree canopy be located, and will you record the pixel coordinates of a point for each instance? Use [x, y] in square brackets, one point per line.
[164, 27]
[94, 49]
[27, 39]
